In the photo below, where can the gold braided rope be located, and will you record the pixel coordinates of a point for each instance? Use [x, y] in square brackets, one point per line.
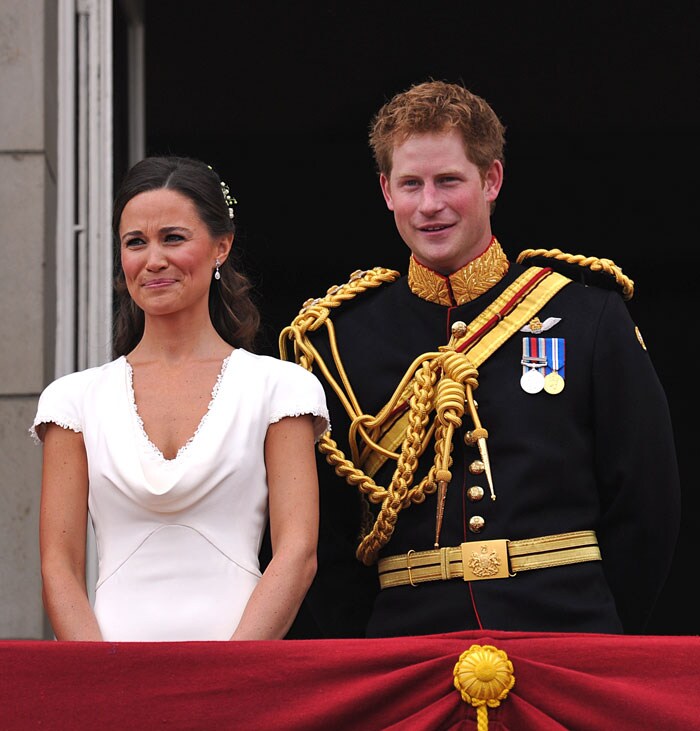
[440, 383]
[591, 262]
[455, 377]
[484, 677]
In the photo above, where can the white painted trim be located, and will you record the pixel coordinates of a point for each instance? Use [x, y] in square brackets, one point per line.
[100, 150]
[65, 193]
[84, 255]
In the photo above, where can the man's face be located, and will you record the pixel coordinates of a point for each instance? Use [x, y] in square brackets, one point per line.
[441, 206]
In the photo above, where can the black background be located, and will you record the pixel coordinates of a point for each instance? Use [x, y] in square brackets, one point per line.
[599, 102]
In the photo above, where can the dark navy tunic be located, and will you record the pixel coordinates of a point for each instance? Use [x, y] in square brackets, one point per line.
[598, 456]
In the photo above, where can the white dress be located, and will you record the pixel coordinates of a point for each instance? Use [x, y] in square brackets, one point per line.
[178, 540]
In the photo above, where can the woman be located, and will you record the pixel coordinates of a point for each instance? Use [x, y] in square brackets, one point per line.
[183, 446]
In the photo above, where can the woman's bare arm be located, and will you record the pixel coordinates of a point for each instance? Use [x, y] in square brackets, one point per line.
[293, 497]
[63, 534]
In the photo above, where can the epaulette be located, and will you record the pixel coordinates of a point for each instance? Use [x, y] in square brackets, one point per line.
[315, 311]
[360, 281]
[586, 269]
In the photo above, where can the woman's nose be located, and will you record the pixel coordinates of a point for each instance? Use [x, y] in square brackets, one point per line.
[156, 259]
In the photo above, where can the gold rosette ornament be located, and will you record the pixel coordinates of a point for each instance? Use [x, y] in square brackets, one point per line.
[483, 676]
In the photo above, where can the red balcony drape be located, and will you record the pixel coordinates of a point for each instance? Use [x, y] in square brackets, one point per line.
[562, 682]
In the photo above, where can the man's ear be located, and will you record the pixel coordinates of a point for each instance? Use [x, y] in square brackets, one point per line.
[386, 191]
[493, 180]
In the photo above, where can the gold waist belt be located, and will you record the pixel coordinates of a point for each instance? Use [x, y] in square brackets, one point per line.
[496, 559]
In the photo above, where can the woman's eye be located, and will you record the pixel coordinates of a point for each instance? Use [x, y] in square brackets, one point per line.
[133, 243]
[174, 238]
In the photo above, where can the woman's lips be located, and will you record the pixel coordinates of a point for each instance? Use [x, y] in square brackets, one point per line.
[155, 283]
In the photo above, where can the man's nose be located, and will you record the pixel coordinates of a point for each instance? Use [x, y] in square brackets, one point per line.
[431, 199]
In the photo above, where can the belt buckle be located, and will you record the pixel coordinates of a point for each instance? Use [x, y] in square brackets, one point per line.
[485, 560]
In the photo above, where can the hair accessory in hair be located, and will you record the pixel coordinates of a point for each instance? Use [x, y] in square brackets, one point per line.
[230, 200]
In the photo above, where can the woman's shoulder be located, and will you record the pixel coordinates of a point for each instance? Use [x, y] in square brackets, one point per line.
[80, 380]
[290, 390]
[64, 400]
[268, 365]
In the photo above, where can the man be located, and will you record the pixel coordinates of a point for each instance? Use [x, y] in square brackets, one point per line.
[502, 425]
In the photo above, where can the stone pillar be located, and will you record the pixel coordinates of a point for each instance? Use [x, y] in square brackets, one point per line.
[28, 61]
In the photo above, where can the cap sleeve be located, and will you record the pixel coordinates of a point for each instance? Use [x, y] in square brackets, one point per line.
[298, 392]
[60, 403]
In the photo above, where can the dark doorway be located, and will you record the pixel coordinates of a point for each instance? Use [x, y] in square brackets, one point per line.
[598, 100]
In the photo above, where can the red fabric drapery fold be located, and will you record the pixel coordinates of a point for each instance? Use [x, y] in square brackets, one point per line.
[562, 681]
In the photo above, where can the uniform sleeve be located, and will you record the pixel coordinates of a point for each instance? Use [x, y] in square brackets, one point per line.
[59, 403]
[636, 466]
[298, 392]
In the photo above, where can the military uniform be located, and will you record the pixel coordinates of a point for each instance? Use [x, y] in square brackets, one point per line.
[592, 457]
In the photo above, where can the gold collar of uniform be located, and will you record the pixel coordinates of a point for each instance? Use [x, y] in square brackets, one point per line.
[464, 285]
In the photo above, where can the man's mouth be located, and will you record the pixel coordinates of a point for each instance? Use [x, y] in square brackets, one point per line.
[435, 227]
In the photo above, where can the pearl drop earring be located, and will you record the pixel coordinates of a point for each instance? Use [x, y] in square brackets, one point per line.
[217, 273]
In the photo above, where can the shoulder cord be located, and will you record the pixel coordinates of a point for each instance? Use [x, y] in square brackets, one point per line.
[417, 391]
[417, 385]
[591, 262]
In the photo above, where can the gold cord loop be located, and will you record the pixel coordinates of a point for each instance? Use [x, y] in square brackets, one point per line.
[437, 384]
[591, 262]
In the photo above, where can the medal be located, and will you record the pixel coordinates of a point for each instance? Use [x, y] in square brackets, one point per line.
[554, 380]
[543, 365]
[532, 381]
[553, 383]
[533, 361]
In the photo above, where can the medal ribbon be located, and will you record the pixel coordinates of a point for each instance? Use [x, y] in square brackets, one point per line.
[534, 355]
[555, 355]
